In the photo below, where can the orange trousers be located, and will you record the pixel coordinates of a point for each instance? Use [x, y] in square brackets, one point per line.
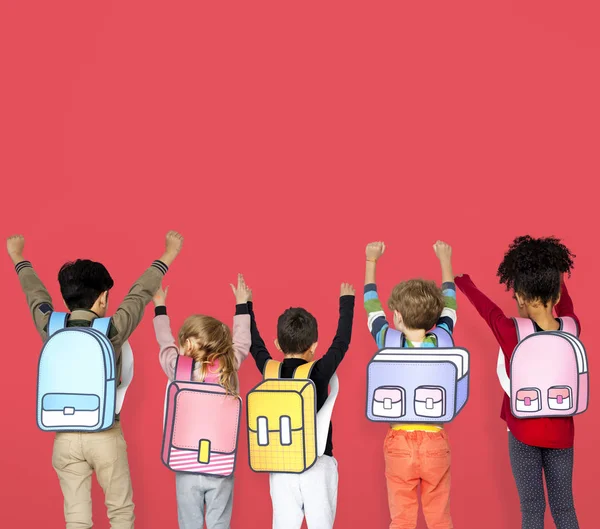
[413, 459]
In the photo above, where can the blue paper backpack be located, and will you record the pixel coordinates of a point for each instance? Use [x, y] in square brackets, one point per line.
[76, 389]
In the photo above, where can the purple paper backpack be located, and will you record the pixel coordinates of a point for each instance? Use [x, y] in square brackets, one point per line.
[417, 384]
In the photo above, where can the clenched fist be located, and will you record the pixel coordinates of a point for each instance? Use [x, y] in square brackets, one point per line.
[375, 250]
[173, 243]
[443, 250]
[15, 245]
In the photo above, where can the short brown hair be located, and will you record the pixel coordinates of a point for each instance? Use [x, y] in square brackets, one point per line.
[419, 302]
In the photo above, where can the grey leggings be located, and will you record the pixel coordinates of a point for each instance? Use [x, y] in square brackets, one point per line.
[527, 464]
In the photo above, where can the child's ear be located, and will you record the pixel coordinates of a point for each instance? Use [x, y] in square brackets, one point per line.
[104, 299]
[277, 345]
[397, 317]
[313, 348]
[520, 300]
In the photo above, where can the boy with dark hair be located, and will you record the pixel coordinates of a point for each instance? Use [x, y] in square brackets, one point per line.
[415, 454]
[85, 285]
[313, 493]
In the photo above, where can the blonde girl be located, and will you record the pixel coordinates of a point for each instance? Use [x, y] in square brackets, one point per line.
[217, 354]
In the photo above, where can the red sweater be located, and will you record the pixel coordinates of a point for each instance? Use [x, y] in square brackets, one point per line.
[543, 432]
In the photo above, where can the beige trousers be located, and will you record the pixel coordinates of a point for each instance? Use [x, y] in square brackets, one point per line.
[75, 458]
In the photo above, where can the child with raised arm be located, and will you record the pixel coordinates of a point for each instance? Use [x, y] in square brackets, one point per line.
[84, 286]
[538, 447]
[217, 356]
[313, 493]
[415, 454]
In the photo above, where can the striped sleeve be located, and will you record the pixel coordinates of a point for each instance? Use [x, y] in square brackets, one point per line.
[376, 319]
[448, 318]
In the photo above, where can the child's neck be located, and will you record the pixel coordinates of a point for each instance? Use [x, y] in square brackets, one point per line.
[415, 335]
[544, 317]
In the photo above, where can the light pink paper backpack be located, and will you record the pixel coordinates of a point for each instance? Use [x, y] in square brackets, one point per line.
[201, 424]
[548, 372]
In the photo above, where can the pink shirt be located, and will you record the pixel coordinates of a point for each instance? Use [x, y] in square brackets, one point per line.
[169, 350]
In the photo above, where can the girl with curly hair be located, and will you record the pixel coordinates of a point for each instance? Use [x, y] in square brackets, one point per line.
[533, 269]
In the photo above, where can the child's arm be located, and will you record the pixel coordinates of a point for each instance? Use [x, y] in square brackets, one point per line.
[242, 340]
[488, 310]
[168, 350]
[448, 317]
[564, 307]
[258, 349]
[131, 311]
[38, 298]
[376, 320]
[330, 361]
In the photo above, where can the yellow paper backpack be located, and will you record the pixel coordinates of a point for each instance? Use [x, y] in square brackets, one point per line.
[282, 421]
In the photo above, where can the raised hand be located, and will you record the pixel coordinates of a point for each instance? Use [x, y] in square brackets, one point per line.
[242, 293]
[443, 251]
[347, 290]
[173, 243]
[15, 245]
[375, 250]
[160, 298]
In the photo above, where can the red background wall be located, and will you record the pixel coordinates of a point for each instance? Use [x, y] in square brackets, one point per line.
[280, 139]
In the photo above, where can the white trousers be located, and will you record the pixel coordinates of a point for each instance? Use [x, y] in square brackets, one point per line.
[312, 494]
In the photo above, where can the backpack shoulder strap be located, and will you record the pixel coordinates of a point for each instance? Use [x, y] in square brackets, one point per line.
[525, 328]
[101, 325]
[126, 375]
[444, 338]
[303, 371]
[184, 367]
[569, 325]
[324, 415]
[272, 369]
[57, 321]
[393, 338]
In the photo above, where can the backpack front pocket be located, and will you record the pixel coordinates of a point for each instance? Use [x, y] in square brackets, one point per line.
[70, 410]
[430, 401]
[389, 401]
[529, 400]
[560, 398]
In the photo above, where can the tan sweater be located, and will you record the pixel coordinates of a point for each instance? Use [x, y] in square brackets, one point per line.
[124, 321]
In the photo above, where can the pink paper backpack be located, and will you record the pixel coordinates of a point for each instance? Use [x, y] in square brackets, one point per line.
[548, 372]
[201, 424]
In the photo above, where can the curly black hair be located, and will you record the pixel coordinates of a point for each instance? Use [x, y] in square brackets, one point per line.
[533, 268]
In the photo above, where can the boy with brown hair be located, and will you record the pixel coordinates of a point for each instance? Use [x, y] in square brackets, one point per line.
[415, 454]
[84, 286]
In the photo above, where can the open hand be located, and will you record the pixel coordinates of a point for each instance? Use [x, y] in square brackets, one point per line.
[160, 298]
[375, 250]
[242, 293]
[347, 290]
